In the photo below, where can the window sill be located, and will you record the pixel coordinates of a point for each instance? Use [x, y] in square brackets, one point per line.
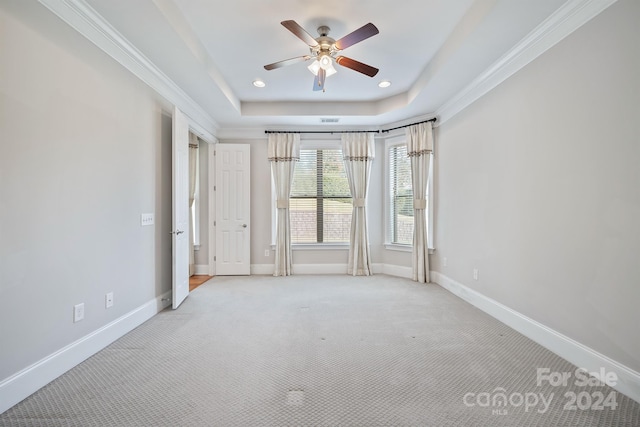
[403, 248]
[318, 247]
[397, 247]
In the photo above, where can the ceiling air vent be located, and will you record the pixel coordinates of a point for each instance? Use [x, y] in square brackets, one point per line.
[329, 120]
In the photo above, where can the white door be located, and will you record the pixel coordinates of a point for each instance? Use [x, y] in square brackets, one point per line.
[233, 228]
[180, 203]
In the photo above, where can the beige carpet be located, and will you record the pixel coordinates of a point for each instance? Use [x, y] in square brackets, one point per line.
[319, 351]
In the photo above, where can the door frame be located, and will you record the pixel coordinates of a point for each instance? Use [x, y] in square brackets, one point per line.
[211, 185]
[211, 141]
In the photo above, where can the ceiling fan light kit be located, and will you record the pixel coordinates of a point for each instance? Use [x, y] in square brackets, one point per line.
[314, 67]
[324, 50]
[326, 63]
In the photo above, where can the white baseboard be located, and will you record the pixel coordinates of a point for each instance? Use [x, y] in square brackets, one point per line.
[319, 269]
[201, 269]
[580, 355]
[397, 271]
[377, 268]
[267, 269]
[261, 269]
[26, 382]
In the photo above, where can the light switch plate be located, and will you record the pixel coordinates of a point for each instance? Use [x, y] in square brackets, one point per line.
[147, 219]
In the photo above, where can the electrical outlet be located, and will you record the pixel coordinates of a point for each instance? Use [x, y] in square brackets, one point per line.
[147, 219]
[108, 300]
[78, 312]
[267, 252]
[475, 274]
[444, 261]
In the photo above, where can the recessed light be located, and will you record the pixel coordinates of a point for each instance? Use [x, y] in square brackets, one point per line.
[259, 83]
[384, 83]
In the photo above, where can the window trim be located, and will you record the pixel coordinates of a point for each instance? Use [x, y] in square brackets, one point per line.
[312, 144]
[389, 143]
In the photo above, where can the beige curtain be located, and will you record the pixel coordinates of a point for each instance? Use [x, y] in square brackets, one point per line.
[358, 150]
[283, 151]
[193, 179]
[419, 149]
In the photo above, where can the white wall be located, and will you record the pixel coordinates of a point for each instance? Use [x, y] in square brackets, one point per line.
[538, 186]
[85, 149]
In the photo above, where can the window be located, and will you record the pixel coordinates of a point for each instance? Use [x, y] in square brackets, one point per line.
[401, 196]
[320, 204]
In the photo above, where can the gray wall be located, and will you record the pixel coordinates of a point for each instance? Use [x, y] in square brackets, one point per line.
[261, 211]
[85, 149]
[538, 186]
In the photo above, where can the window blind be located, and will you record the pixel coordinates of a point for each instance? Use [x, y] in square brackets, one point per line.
[320, 203]
[401, 196]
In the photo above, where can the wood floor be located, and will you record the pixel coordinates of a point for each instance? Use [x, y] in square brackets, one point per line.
[197, 280]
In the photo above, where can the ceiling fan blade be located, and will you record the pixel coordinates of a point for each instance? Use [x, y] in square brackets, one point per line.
[356, 36]
[286, 62]
[357, 66]
[318, 82]
[300, 32]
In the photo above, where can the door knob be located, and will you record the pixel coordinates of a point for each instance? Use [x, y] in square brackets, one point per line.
[177, 232]
[244, 225]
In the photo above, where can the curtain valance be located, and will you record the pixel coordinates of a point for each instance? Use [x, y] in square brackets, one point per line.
[419, 139]
[283, 147]
[358, 146]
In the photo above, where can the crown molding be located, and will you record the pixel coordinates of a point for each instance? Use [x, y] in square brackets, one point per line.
[185, 32]
[567, 19]
[80, 16]
[245, 134]
[84, 19]
[228, 134]
[564, 21]
[407, 122]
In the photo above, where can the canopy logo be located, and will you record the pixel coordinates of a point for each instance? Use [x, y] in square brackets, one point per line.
[499, 400]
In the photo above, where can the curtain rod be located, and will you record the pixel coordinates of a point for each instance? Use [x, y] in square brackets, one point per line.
[412, 124]
[322, 131]
[349, 131]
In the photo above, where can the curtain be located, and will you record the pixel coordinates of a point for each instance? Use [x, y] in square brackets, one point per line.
[419, 149]
[283, 151]
[358, 150]
[193, 179]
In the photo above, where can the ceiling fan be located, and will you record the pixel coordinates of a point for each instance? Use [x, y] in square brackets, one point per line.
[324, 50]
